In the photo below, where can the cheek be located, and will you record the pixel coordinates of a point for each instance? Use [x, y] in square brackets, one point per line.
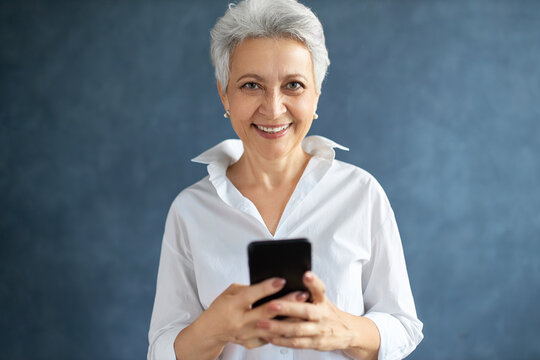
[243, 108]
[303, 110]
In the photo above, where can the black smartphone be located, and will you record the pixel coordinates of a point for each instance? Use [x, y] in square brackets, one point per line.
[288, 259]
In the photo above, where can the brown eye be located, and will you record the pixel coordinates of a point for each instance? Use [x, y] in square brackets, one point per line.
[294, 85]
[250, 86]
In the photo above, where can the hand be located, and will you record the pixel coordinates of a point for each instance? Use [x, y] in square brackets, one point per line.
[319, 325]
[230, 318]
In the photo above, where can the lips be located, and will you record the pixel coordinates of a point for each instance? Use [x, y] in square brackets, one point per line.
[272, 131]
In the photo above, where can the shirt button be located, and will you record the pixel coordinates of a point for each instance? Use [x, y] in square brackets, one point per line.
[283, 351]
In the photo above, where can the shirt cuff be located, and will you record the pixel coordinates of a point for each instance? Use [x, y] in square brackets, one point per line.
[163, 347]
[395, 344]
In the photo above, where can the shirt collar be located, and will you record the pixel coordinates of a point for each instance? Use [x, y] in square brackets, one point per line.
[229, 151]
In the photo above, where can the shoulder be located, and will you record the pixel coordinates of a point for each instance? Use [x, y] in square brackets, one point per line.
[354, 175]
[345, 167]
[193, 194]
[360, 186]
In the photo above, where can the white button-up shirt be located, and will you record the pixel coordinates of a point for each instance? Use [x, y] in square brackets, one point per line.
[340, 208]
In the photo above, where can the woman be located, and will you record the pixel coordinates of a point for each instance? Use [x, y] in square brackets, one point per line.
[270, 60]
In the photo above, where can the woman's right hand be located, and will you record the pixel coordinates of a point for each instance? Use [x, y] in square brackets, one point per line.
[231, 318]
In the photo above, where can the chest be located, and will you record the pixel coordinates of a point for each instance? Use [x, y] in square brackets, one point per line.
[269, 204]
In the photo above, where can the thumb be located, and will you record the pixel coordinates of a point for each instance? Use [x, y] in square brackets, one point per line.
[315, 286]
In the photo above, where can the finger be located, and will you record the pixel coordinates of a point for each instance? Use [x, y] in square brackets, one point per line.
[262, 289]
[315, 286]
[301, 310]
[295, 342]
[271, 309]
[300, 296]
[289, 329]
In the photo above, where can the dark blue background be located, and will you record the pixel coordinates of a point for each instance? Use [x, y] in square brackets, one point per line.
[102, 104]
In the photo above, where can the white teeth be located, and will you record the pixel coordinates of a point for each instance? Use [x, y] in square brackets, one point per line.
[272, 130]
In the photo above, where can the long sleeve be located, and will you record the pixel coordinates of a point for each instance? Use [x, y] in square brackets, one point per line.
[387, 294]
[176, 304]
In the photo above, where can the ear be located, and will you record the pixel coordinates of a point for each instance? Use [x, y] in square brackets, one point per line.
[223, 96]
[316, 102]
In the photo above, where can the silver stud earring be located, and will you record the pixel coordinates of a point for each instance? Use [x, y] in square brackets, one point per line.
[227, 114]
[315, 116]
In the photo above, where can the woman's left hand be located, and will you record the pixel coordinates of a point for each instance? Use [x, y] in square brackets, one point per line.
[319, 325]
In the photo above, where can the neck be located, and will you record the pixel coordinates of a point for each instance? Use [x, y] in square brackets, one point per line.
[254, 170]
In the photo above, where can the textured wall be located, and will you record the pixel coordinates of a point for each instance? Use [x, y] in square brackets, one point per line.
[102, 104]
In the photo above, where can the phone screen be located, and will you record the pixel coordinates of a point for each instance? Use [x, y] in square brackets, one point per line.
[287, 259]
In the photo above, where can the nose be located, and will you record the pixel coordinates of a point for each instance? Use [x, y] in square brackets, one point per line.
[272, 106]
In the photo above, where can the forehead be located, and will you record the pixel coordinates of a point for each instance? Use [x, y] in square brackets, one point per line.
[271, 57]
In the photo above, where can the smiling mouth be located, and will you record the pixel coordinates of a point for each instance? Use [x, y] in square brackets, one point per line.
[273, 129]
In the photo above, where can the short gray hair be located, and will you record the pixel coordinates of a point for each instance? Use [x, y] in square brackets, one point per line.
[267, 19]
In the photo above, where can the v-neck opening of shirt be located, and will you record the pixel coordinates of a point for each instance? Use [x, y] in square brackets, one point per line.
[312, 174]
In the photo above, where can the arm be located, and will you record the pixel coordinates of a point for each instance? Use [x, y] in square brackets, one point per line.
[194, 343]
[366, 341]
[387, 294]
[176, 303]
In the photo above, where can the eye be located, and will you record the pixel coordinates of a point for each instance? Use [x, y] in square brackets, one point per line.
[294, 85]
[250, 86]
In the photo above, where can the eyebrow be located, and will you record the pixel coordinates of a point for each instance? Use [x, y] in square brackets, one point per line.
[254, 76]
[260, 78]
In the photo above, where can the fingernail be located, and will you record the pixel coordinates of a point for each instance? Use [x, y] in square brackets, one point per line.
[309, 276]
[263, 324]
[274, 306]
[302, 296]
[278, 283]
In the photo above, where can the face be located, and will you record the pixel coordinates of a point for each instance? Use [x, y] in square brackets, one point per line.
[271, 96]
